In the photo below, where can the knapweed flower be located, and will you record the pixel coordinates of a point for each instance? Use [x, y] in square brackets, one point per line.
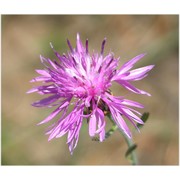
[82, 81]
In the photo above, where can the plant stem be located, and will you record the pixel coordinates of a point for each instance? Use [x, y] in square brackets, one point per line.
[133, 157]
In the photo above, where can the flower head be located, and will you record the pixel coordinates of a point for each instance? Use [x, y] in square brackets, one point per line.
[83, 81]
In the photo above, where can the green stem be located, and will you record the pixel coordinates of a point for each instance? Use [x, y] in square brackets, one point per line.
[133, 157]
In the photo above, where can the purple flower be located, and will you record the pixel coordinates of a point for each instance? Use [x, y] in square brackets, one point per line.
[81, 81]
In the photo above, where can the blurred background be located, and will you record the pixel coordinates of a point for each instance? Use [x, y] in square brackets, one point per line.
[25, 37]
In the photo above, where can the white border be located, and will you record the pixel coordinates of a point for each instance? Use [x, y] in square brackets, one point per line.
[90, 172]
[89, 6]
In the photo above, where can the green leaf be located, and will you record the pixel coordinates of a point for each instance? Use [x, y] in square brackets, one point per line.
[130, 150]
[144, 118]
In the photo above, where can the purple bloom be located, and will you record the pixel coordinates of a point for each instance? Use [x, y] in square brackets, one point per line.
[82, 81]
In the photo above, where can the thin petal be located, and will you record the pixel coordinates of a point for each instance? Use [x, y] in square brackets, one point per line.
[73, 135]
[128, 65]
[60, 129]
[101, 121]
[92, 125]
[46, 101]
[79, 45]
[75, 130]
[40, 78]
[54, 113]
[47, 62]
[87, 101]
[51, 116]
[102, 135]
[43, 72]
[131, 103]
[120, 121]
[132, 88]
[138, 74]
[133, 116]
[32, 90]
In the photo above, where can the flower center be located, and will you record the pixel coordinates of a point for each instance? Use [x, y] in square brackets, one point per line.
[93, 86]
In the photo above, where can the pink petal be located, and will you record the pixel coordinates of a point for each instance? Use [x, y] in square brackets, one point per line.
[132, 115]
[46, 101]
[40, 78]
[54, 113]
[138, 74]
[128, 65]
[92, 125]
[131, 103]
[101, 121]
[79, 45]
[120, 121]
[32, 90]
[132, 88]
[43, 72]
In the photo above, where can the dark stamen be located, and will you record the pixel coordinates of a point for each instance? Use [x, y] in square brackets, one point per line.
[64, 55]
[110, 62]
[109, 91]
[75, 78]
[86, 46]
[69, 44]
[99, 69]
[56, 53]
[55, 62]
[112, 74]
[74, 61]
[102, 46]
